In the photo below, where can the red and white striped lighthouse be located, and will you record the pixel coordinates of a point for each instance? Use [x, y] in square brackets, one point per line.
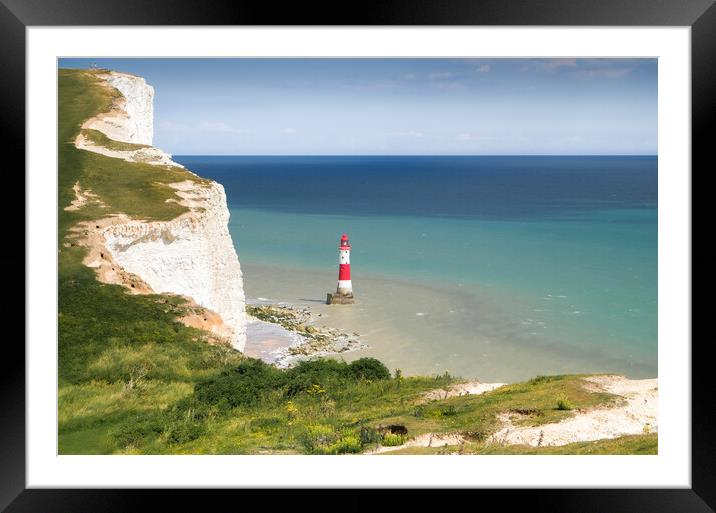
[345, 286]
[344, 292]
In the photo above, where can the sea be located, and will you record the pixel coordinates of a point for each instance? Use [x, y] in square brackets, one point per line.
[498, 268]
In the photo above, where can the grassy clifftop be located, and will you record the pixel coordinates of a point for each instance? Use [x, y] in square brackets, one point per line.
[134, 380]
[121, 357]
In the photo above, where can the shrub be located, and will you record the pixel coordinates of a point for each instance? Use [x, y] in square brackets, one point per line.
[369, 435]
[250, 382]
[183, 431]
[545, 379]
[391, 440]
[448, 411]
[192, 409]
[442, 411]
[323, 439]
[319, 372]
[245, 385]
[136, 431]
[564, 404]
[316, 438]
[369, 368]
[291, 411]
[348, 444]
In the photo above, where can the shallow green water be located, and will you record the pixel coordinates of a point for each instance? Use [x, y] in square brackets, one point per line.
[491, 299]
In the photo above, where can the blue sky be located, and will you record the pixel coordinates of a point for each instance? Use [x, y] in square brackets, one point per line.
[399, 106]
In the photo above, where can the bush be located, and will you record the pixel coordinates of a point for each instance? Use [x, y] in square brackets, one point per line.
[545, 379]
[448, 411]
[321, 372]
[323, 439]
[316, 438]
[369, 435]
[249, 383]
[564, 404]
[245, 385]
[391, 440]
[348, 444]
[369, 368]
[439, 411]
[183, 431]
[136, 430]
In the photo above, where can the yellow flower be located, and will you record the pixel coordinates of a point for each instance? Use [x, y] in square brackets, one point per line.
[316, 390]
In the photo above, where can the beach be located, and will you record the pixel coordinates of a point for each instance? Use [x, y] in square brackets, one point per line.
[432, 332]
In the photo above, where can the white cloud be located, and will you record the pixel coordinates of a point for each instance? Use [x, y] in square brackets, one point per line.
[442, 75]
[482, 68]
[408, 133]
[467, 136]
[375, 85]
[550, 64]
[602, 73]
[449, 86]
[584, 68]
[219, 126]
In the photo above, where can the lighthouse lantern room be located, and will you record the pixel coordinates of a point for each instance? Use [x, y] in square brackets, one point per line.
[344, 292]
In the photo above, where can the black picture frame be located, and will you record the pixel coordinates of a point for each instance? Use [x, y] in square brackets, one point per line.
[17, 15]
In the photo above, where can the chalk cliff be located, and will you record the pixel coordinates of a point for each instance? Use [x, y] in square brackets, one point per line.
[192, 255]
[132, 118]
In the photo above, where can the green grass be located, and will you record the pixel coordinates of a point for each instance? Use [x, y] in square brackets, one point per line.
[99, 139]
[120, 356]
[136, 189]
[535, 402]
[133, 380]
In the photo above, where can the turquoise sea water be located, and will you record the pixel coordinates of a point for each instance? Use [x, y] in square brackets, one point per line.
[499, 268]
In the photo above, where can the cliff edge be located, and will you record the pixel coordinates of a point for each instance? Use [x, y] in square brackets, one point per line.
[191, 255]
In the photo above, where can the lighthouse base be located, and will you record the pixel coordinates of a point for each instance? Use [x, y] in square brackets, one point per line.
[339, 299]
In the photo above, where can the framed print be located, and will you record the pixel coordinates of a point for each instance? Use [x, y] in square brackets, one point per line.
[506, 193]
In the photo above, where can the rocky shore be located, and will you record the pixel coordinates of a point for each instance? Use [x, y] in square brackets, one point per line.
[313, 339]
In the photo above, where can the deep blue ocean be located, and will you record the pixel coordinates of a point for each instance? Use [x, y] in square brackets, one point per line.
[564, 248]
[488, 188]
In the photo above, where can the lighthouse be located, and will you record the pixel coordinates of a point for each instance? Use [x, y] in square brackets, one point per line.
[344, 292]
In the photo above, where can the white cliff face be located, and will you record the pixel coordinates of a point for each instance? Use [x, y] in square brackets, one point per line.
[138, 127]
[192, 255]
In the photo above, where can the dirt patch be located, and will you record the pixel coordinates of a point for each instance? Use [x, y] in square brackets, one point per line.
[205, 319]
[636, 414]
[82, 198]
[461, 389]
[424, 440]
[148, 155]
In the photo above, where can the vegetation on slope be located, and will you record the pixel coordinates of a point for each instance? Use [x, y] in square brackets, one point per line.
[134, 380]
[99, 139]
[121, 357]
